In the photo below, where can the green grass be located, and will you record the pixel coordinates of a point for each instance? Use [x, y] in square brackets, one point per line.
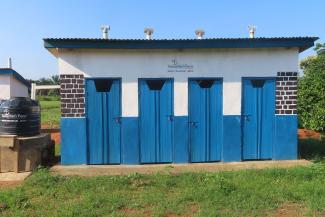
[241, 193]
[50, 113]
[48, 98]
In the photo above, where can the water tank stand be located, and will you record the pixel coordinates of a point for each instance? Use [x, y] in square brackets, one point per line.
[22, 154]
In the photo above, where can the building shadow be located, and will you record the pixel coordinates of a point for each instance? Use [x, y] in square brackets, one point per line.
[312, 149]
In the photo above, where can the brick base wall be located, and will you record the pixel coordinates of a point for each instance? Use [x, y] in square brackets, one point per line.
[72, 95]
[286, 93]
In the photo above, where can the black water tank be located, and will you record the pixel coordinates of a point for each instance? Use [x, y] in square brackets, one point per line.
[2, 101]
[20, 116]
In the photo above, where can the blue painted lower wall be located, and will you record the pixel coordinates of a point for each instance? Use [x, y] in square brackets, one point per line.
[231, 150]
[74, 139]
[181, 140]
[286, 139]
[130, 140]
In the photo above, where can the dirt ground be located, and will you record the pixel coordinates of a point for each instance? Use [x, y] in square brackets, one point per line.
[305, 134]
[56, 136]
[292, 210]
[286, 210]
[4, 184]
[111, 170]
[145, 212]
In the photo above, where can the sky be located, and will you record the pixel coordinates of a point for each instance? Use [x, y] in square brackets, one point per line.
[24, 24]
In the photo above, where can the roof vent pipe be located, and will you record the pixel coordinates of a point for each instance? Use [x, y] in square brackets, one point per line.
[199, 33]
[148, 32]
[105, 29]
[252, 30]
[9, 63]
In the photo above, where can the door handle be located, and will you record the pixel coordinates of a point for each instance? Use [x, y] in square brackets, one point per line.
[118, 120]
[170, 117]
[193, 123]
[246, 117]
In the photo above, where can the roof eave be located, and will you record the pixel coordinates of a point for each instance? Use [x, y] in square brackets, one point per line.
[301, 43]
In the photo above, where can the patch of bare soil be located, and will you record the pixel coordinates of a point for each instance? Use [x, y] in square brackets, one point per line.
[56, 136]
[305, 134]
[190, 211]
[290, 210]
[5, 184]
[135, 212]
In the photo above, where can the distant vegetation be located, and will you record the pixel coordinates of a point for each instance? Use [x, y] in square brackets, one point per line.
[53, 80]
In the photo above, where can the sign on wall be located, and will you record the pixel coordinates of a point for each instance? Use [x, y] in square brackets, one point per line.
[179, 67]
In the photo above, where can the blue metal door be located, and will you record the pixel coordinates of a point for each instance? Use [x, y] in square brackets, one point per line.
[258, 113]
[205, 119]
[156, 118]
[103, 120]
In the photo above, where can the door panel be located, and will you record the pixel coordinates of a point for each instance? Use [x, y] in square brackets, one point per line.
[258, 112]
[205, 119]
[103, 118]
[156, 116]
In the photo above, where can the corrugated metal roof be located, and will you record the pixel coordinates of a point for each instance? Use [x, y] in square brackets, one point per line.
[9, 71]
[185, 39]
[302, 43]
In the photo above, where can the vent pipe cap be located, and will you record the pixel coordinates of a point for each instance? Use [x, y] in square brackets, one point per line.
[199, 33]
[148, 32]
[252, 30]
[9, 63]
[105, 29]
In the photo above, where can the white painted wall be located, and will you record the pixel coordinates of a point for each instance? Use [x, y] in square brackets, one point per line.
[4, 86]
[17, 89]
[11, 87]
[229, 64]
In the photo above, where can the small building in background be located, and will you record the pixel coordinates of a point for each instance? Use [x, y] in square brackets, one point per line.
[12, 84]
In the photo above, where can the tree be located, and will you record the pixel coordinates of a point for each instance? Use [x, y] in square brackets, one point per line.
[55, 79]
[311, 92]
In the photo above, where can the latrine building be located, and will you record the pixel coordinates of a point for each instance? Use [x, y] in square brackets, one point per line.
[178, 101]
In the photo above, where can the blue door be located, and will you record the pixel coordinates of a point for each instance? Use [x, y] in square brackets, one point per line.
[205, 119]
[156, 120]
[103, 121]
[258, 113]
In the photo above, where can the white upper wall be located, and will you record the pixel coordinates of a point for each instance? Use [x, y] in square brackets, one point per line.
[17, 89]
[4, 86]
[11, 87]
[229, 64]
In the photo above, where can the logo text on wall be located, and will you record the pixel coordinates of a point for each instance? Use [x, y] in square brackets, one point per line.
[177, 67]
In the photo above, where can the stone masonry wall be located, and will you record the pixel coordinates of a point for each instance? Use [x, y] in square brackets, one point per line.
[72, 95]
[286, 93]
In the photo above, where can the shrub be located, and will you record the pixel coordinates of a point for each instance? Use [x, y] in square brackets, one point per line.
[311, 93]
